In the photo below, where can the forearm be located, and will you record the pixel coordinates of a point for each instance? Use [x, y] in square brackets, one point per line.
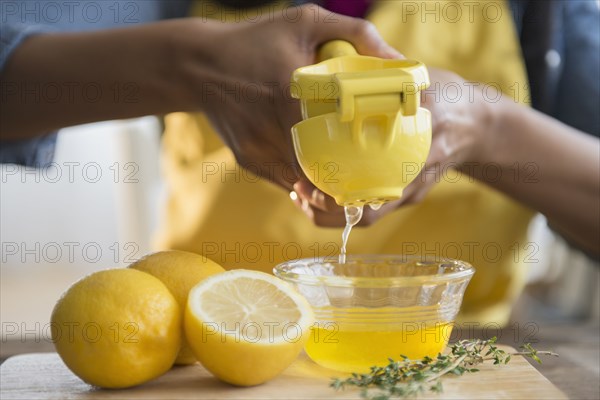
[548, 166]
[57, 80]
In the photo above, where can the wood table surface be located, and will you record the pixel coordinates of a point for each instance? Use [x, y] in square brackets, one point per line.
[44, 376]
[576, 372]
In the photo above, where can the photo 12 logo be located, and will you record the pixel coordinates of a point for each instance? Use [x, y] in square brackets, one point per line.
[452, 11]
[55, 12]
[68, 252]
[71, 172]
[269, 12]
[89, 332]
[252, 332]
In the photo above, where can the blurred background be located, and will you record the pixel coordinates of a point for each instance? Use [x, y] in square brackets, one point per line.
[95, 208]
[99, 205]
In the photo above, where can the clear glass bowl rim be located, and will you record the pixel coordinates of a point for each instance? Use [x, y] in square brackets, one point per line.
[465, 271]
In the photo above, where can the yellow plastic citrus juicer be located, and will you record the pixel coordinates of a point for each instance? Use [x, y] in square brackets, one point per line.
[364, 136]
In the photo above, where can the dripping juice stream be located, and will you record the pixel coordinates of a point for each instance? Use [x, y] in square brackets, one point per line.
[353, 215]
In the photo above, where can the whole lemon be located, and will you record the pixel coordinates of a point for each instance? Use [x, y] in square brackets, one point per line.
[179, 271]
[117, 328]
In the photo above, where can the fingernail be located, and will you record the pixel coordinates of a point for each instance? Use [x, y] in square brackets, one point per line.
[392, 52]
[317, 196]
[305, 205]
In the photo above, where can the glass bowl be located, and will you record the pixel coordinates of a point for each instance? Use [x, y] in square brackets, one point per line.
[376, 307]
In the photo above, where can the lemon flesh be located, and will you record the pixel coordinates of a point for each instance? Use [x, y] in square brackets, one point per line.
[117, 328]
[179, 271]
[246, 327]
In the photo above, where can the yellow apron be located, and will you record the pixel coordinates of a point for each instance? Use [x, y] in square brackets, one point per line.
[217, 209]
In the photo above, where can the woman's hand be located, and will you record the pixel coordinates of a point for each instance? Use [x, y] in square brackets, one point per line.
[242, 74]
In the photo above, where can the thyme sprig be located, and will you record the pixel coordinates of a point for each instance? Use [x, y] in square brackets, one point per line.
[408, 378]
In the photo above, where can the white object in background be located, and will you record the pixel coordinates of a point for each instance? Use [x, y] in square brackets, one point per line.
[140, 192]
[571, 278]
[539, 261]
[95, 208]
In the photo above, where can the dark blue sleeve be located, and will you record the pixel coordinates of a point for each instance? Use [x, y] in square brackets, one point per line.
[578, 92]
[37, 152]
[19, 19]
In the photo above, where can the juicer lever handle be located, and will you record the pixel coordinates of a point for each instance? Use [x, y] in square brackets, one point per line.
[335, 48]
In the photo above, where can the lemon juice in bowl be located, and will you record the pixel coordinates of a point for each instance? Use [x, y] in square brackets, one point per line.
[373, 307]
[355, 348]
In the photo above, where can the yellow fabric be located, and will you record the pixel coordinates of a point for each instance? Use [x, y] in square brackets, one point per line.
[217, 209]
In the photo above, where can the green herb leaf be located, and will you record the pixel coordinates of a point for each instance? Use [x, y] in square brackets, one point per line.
[409, 378]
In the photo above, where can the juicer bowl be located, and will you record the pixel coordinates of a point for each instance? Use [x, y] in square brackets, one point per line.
[371, 163]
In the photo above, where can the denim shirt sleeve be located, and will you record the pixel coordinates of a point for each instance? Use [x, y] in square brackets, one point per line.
[21, 19]
[12, 35]
[38, 151]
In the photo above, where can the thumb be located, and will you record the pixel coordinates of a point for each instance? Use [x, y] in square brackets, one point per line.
[326, 25]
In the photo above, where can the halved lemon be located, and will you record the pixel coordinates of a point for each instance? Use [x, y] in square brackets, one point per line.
[246, 327]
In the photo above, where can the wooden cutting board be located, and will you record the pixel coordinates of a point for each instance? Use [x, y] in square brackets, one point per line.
[44, 376]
